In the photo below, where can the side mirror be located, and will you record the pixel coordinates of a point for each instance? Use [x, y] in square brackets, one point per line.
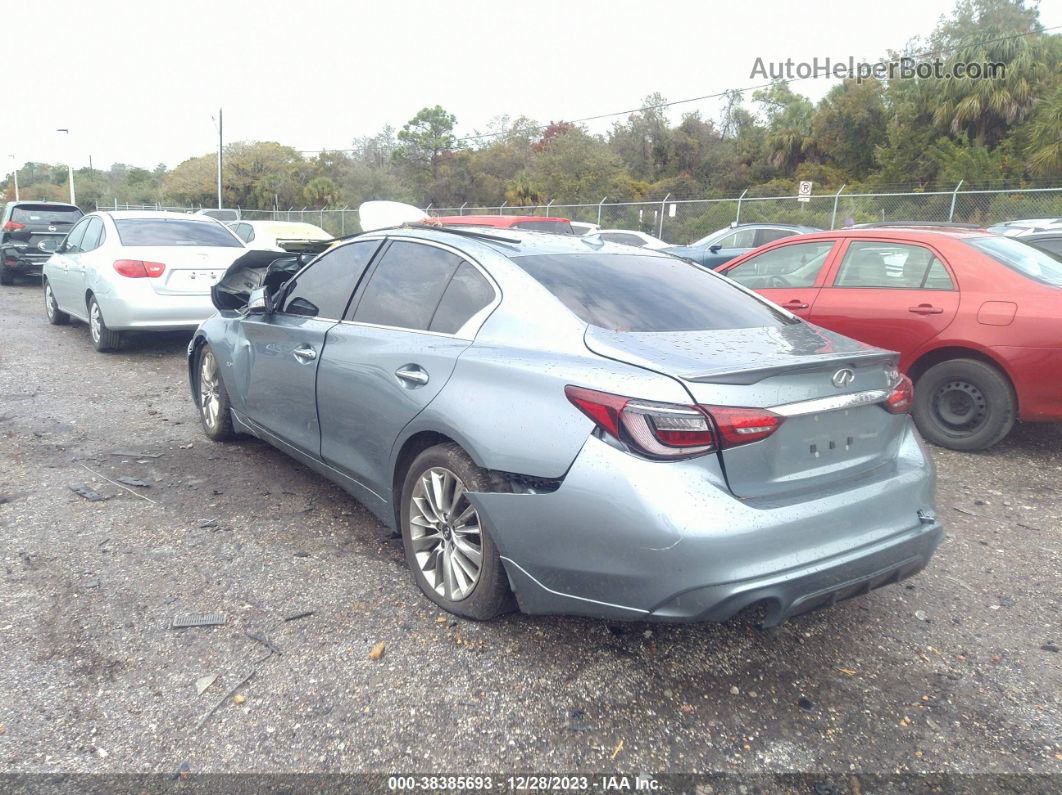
[714, 248]
[60, 248]
[260, 303]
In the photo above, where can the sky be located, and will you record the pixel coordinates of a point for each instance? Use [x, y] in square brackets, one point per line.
[139, 83]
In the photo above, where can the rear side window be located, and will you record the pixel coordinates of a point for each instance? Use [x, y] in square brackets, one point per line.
[769, 235]
[898, 266]
[467, 293]
[43, 214]
[170, 232]
[795, 265]
[406, 286]
[1052, 245]
[631, 292]
[324, 287]
[1021, 257]
[93, 235]
[73, 240]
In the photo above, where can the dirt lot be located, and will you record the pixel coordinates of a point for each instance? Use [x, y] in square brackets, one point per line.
[955, 670]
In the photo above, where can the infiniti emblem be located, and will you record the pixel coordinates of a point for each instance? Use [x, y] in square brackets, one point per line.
[843, 377]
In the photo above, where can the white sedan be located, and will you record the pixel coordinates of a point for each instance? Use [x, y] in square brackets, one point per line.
[144, 271]
[268, 234]
[631, 237]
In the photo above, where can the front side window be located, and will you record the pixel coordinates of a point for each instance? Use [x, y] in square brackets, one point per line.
[625, 239]
[1052, 245]
[1021, 257]
[636, 292]
[406, 286]
[323, 288]
[795, 265]
[174, 232]
[744, 238]
[770, 235]
[898, 266]
[72, 244]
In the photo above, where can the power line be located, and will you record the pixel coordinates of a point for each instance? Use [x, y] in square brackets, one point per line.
[725, 92]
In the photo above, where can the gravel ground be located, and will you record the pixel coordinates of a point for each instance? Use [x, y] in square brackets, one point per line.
[956, 670]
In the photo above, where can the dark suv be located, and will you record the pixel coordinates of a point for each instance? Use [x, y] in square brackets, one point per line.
[29, 233]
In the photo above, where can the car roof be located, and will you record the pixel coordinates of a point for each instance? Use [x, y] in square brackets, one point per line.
[157, 214]
[496, 220]
[913, 233]
[43, 203]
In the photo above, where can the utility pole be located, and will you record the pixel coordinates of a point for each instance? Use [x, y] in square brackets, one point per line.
[69, 166]
[16, 176]
[220, 149]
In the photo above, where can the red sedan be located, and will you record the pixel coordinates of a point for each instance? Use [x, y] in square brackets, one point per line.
[977, 318]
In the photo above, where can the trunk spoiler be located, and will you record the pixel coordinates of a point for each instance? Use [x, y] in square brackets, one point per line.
[756, 374]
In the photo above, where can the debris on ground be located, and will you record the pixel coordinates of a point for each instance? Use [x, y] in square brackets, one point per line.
[239, 698]
[377, 651]
[207, 523]
[300, 614]
[130, 481]
[920, 615]
[90, 494]
[258, 638]
[617, 749]
[129, 454]
[806, 704]
[204, 682]
[198, 620]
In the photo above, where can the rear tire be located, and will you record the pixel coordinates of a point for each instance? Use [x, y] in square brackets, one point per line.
[55, 315]
[7, 276]
[103, 339]
[964, 404]
[445, 538]
[215, 410]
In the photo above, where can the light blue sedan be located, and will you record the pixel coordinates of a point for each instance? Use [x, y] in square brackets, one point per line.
[565, 425]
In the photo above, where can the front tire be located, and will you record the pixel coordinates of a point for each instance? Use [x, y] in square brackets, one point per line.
[448, 546]
[964, 404]
[55, 315]
[215, 410]
[103, 339]
[7, 276]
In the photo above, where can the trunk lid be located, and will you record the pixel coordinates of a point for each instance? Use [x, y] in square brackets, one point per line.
[820, 444]
[190, 270]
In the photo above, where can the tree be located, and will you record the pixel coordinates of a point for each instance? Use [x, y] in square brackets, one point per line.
[848, 124]
[788, 124]
[321, 192]
[423, 141]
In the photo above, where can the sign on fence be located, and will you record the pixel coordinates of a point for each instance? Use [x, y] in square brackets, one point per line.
[804, 193]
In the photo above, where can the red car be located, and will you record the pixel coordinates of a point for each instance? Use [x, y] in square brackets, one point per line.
[532, 223]
[977, 318]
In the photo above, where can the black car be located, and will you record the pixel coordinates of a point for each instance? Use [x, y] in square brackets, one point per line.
[29, 233]
[1049, 241]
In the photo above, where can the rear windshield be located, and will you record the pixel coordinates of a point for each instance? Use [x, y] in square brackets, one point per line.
[628, 292]
[1025, 259]
[38, 213]
[554, 227]
[164, 232]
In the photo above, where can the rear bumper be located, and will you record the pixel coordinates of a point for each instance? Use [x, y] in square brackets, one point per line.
[149, 311]
[21, 259]
[631, 539]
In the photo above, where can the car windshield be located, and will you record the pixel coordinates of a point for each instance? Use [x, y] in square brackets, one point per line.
[37, 213]
[1025, 259]
[709, 239]
[631, 292]
[167, 232]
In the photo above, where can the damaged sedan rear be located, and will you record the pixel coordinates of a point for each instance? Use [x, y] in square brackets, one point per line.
[568, 426]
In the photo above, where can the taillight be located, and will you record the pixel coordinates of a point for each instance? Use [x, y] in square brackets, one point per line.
[902, 396]
[139, 269]
[12, 226]
[660, 430]
[740, 425]
[669, 430]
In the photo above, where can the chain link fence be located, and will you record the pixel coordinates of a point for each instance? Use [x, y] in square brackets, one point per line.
[685, 220]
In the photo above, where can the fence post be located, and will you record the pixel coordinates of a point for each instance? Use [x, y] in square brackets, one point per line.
[502, 207]
[599, 209]
[462, 210]
[954, 193]
[737, 219]
[548, 206]
[836, 196]
[660, 230]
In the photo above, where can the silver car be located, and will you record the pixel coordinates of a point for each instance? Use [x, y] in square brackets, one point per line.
[572, 426]
[143, 271]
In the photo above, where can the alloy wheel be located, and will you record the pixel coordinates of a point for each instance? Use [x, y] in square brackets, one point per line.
[209, 394]
[95, 322]
[50, 306]
[446, 535]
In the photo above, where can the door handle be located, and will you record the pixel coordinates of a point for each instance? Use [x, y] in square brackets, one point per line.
[304, 354]
[926, 309]
[412, 374]
[796, 303]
